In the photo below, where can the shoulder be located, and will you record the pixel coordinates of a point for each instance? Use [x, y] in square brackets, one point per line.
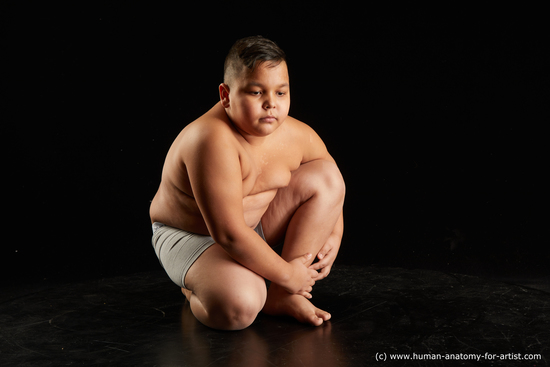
[213, 123]
[206, 144]
[210, 131]
[302, 131]
[297, 126]
[306, 137]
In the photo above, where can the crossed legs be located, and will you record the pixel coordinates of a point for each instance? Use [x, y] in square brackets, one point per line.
[225, 295]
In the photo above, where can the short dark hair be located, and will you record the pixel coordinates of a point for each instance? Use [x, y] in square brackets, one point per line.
[249, 52]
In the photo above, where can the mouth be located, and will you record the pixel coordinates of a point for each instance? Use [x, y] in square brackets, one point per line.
[268, 119]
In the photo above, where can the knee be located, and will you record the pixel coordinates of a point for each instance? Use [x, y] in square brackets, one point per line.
[324, 178]
[234, 313]
[332, 180]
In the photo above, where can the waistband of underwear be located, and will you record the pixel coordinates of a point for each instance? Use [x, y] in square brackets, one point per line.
[258, 229]
[156, 226]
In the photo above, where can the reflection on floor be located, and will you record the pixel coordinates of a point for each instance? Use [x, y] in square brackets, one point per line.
[377, 314]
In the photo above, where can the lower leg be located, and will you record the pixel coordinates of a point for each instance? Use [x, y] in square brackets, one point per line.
[297, 242]
[306, 212]
[309, 227]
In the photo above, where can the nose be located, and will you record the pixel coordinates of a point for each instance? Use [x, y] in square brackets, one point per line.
[269, 102]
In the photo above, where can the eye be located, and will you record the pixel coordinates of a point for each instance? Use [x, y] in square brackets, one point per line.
[280, 94]
[255, 93]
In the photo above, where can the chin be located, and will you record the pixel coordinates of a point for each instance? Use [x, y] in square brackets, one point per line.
[268, 130]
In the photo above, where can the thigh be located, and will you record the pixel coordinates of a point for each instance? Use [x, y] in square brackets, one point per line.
[216, 277]
[287, 200]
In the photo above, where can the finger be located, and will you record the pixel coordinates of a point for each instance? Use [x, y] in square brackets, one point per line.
[306, 258]
[323, 273]
[318, 265]
[323, 252]
[320, 276]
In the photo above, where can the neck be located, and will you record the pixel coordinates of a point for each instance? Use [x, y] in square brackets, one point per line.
[250, 139]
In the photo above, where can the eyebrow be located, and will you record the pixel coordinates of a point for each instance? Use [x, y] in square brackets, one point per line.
[256, 84]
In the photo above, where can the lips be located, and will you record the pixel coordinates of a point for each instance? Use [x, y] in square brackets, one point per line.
[268, 119]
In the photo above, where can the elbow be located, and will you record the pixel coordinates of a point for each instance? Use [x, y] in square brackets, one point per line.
[223, 238]
[226, 237]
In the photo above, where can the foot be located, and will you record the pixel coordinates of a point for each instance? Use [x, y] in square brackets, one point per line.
[281, 303]
[187, 293]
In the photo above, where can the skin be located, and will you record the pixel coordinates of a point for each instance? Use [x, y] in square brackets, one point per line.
[243, 162]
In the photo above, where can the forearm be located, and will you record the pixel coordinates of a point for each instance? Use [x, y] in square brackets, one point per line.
[251, 251]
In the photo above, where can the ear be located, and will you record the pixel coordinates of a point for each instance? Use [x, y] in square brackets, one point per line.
[224, 94]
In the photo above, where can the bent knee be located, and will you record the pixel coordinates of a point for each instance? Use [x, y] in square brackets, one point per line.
[332, 179]
[233, 308]
[233, 315]
[323, 177]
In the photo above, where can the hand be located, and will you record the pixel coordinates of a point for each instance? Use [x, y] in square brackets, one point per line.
[326, 257]
[301, 278]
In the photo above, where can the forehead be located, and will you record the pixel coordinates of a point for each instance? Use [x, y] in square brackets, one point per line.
[266, 73]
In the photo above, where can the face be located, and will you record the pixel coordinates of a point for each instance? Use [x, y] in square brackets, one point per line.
[257, 102]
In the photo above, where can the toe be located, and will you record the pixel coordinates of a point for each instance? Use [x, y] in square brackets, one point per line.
[325, 316]
[315, 321]
[186, 293]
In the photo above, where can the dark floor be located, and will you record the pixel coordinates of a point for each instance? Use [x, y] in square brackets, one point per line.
[143, 320]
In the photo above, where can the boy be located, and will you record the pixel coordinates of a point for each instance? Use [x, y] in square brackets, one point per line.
[240, 178]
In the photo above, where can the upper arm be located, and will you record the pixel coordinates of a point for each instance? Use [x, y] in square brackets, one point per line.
[215, 175]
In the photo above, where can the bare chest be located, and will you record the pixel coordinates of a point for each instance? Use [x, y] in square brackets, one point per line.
[267, 171]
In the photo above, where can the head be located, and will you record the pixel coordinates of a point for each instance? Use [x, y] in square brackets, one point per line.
[256, 90]
[249, 52]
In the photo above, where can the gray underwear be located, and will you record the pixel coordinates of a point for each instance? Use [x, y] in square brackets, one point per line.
[177, 249]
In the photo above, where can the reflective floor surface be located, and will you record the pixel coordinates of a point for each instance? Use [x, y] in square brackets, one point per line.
[378, 315]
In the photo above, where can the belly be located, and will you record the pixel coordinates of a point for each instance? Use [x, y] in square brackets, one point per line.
[175, 209]
[182, 211]
[255, 206]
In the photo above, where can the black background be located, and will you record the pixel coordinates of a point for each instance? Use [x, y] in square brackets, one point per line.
[436, 118]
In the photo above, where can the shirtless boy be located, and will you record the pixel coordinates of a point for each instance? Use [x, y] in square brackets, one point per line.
[240, 179]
